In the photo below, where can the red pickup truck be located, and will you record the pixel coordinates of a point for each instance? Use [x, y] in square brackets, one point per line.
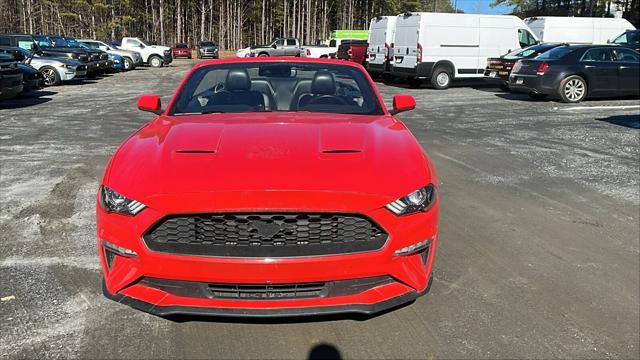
[353, 50]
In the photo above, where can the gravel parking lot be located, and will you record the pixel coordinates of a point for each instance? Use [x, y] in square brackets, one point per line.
[539, 252]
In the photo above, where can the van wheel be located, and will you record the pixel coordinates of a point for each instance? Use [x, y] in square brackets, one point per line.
[573, 89]
[441, 78]
[414, 82]
[51, 76]
[155, 61]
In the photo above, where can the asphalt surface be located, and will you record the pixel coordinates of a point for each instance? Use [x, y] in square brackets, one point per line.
[539, 252]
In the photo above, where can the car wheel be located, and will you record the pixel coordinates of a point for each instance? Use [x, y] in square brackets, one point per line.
[441, 78]
[414, 82]
[51, 76]
[537, 96]
[573, 89]
[155, 61]
[128, 64]
[263, 55]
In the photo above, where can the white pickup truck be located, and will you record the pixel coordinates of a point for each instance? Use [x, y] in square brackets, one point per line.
[154, 55]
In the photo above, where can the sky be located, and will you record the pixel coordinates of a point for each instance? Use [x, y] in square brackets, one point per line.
[480, 7]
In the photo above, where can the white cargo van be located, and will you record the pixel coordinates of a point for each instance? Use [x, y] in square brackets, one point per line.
[381, 33]
[441, 46]
[577, 30]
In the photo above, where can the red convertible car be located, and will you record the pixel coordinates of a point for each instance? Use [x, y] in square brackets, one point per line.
[269, 187]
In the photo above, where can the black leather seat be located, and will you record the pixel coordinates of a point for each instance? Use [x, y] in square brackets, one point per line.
[322, 91]
[237, 92]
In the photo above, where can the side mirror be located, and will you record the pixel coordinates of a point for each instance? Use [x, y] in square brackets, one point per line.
[150, 103]
[403, 102]
[274, 46]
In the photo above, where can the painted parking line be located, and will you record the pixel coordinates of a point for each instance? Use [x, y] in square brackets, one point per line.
[607, 107]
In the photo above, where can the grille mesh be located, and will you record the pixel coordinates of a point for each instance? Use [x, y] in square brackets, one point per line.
[259, 235]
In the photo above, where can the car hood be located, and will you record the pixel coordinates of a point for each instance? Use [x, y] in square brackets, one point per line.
[275, 151]
[158, 47]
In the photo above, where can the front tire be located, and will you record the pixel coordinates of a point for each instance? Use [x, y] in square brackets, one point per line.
[51, 76]
[128, 64]
[573, 89]
[441, 78]
[263, 55]
[155, 61]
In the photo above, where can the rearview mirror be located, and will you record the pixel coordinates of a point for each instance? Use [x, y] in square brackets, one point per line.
[403, 102]
[150, 103]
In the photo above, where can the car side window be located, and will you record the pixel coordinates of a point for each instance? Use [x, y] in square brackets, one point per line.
[597, 55]
[291, 42]
[625, 55]
[280, 42]
[525, 38]
[622, 39]
[5, 41]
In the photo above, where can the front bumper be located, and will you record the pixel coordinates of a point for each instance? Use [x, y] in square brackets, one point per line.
[168, 59]
[10, 85]
[70, 74]
[124, 278]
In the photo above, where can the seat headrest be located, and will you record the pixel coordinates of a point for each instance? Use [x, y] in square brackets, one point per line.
[238, 80]
[323, 83]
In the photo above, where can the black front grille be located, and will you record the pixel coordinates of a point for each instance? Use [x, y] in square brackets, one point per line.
[195, 289]
[262, 292]
[83, 58]
[265, 235]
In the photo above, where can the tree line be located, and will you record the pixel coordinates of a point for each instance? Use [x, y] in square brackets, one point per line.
[592, 8]
[232, 24]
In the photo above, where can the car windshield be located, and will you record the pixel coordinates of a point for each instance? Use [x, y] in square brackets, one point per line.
[43, 41]
[628, 37]
[181, 46]
[555, 53]
[267, 86]
[207, 44]
[530, 51]
[145, 42]
[60, 42]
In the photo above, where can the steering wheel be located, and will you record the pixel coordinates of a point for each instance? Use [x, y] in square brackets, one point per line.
[327, 100]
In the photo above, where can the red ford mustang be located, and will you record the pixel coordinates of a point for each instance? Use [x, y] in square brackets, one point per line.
[269, 187]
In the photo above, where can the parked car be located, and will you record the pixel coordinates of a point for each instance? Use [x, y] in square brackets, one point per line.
[55, 71]
[245, 52]
[100, 57]
[32, 79]
[499, 68]
[117, 62]
[279, 47]
[11, 81]
[153, 55]
[181, 50]
[381, 32]
[258, 224]
[131, 59]
[208, 49]
[441, 47]
[575, 72]
[577, 30]
[629, 39]
[44, 48]
[353, 50]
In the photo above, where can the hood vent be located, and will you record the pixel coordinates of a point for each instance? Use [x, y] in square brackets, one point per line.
[195, 151]
[341, 151]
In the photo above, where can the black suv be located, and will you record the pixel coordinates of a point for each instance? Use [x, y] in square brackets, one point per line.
[629, 39]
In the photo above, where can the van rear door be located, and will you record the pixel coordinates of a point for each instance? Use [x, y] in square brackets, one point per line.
[405, 44]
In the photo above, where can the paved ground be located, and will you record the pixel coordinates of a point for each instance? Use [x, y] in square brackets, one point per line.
[539, 253]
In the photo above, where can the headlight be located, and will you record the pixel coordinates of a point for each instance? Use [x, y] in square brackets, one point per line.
[419, 200]
[111, 201]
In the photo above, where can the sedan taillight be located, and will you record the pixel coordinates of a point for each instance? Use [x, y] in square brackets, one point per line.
[542, 68]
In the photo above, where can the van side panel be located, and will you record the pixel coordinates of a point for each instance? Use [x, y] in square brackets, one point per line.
[577, 30]
[498, 36]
